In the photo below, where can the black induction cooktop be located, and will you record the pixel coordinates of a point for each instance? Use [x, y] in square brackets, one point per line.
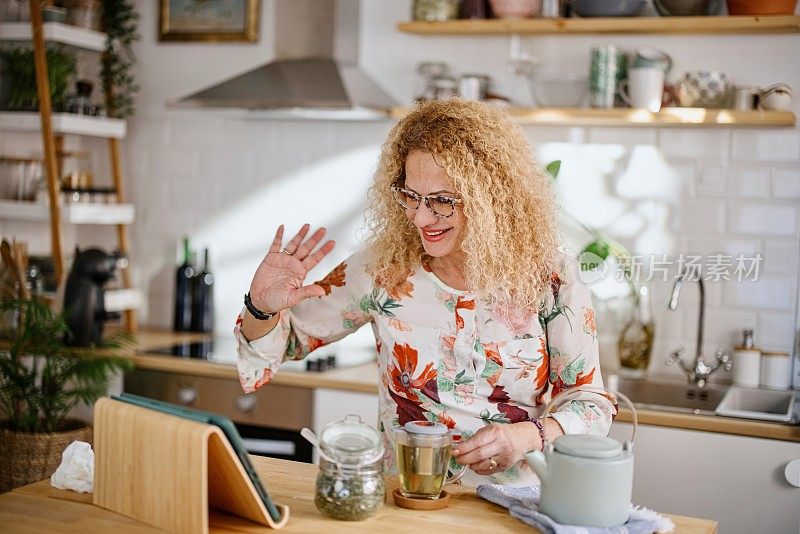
[195, 349]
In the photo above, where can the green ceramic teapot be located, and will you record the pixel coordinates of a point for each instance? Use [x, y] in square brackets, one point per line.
[586, 480]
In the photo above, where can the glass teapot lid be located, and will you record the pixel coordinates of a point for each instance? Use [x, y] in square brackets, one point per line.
[426, 428]
[588, 446]
[350, 441]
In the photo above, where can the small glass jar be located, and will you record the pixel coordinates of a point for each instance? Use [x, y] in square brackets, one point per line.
[76, 169]
[435, 10]
[83, 13]
[350, 481]
[20, 178]
[427, 71]
[444, 87]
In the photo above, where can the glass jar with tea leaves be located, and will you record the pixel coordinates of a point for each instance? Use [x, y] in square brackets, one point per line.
[636, 339]
[435, 10]
[350, 480]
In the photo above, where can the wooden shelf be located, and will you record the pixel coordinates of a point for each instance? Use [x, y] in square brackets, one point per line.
[70, 213]
[55, 32]
[64, 123]
[631, 25]
[667, 117]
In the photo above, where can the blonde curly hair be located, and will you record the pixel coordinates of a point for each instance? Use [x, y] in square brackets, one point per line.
[510, 240]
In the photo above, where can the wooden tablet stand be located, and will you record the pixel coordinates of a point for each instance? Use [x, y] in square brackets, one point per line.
[166, 471]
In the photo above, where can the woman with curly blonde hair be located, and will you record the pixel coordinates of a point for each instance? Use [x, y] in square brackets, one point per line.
[478, 317]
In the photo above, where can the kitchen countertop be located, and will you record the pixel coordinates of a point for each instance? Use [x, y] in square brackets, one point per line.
[42, 508]
[364, 379]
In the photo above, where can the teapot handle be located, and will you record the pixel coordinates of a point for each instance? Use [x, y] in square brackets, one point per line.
[564, 395]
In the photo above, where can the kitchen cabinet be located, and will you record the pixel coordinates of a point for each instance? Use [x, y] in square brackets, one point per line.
[735, 480]
[269, 420]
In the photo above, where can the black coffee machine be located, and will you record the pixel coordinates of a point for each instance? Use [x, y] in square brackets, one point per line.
[84, 295]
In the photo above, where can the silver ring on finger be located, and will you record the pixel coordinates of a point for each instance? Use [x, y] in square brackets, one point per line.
[492, 464]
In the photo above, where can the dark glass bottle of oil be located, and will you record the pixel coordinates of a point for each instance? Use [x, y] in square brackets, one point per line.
[184, 279]
[203, 298]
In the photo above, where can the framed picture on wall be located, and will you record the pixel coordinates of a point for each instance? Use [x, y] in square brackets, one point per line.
[209, 20]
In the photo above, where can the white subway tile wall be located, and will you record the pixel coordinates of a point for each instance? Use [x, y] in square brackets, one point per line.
[765, 146]
[786, 182]
[748, 181]
[771, 219]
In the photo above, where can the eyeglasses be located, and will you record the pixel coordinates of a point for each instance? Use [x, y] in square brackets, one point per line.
[440, 205]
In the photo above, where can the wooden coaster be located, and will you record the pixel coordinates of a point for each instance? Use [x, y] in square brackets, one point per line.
[421, 504]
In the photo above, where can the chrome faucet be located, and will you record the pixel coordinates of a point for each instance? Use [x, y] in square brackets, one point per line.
[697, 374]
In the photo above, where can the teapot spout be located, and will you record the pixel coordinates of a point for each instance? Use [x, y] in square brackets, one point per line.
[539, 464]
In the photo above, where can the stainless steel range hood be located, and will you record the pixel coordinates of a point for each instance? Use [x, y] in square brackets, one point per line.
[315, 74]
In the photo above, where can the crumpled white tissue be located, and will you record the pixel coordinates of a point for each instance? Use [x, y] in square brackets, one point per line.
[76, 471]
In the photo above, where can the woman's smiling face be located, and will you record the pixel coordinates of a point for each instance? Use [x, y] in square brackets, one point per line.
[440, 236]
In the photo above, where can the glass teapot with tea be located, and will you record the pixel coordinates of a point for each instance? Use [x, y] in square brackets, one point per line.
[423, 456]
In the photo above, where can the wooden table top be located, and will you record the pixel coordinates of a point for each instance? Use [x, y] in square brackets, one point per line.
[41, 508]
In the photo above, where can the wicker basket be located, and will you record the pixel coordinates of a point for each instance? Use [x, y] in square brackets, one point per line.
[26, 458]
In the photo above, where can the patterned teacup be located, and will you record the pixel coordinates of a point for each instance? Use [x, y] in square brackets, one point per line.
[703, 88]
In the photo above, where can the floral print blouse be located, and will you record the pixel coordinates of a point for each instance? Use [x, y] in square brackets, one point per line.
[445, 356]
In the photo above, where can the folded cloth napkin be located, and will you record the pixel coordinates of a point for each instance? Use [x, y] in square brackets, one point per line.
[523, 503]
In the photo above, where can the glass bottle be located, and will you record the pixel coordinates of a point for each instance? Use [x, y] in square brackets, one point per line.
[636, 339]
[203, 298]
[350, 481]
[183, 290]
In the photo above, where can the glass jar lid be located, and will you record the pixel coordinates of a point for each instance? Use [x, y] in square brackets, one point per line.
[351, 442]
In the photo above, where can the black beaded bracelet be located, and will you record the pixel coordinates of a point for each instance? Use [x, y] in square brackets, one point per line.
[255, 312]
[540, 426]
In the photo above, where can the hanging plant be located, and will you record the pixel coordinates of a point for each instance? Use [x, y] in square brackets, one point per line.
[119, 22]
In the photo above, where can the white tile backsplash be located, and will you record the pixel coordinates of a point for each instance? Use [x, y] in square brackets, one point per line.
[704, 216]
[686, 143]
[723, 327]
[781, 256]
[775, 331]
[554, 134]
[707, 245]
[769, 292]
[786, 182]
[712, 179]
[748, 181]
[766, 146]
[629, 137]
[763, 219]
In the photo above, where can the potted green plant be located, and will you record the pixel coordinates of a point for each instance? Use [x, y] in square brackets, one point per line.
[41, 380]
[19, 77]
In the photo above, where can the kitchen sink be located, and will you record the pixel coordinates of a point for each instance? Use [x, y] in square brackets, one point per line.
[668, 396]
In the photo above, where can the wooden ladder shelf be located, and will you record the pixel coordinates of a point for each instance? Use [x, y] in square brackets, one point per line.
[52, 143]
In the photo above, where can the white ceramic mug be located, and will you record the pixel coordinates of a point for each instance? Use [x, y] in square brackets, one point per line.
[644, 88]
